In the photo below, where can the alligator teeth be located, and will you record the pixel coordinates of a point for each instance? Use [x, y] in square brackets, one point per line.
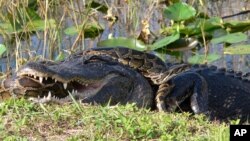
[49, 95]
[55, 80]
[65, 85]
[54, 97]
[86, 85]
[45, 99]
[46, 78]
[41, 79]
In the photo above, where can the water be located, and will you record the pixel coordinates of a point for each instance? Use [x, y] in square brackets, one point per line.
[129, 25]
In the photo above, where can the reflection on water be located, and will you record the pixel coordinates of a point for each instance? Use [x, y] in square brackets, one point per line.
[129, 24]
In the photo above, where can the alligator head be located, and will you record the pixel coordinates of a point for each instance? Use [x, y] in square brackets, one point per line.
[91, 81]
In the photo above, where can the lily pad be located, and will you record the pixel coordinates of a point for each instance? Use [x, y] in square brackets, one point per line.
[179, 11]
[230, 38]
[165, 41]
[237, 26]
[124, 42]
[201, 59]
[239, 50]
[39, 25]
[199, 24]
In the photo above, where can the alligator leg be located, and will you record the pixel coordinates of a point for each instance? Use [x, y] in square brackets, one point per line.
[187, 85]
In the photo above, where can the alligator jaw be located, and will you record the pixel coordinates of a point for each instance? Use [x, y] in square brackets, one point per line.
[54, 99]
[77, 88]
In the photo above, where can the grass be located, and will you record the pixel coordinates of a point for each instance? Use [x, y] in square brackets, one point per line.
[23, 120]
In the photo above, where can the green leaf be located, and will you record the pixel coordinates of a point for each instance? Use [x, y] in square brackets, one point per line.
[60, 57]
[201, 59]
[90, 30]
[31, 14]
[2, 49]
[199, 24]
[35, 25]
[124, 42]
[165, 41]
[237, 26]
[6, 28]
[230, 38]
[240, 49]
[73, 30]
[179, 12]
[39, 25]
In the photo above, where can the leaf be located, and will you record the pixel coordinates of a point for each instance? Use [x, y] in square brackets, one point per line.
[31, 14]
[124, 42]
[201, 59]
[60, 57]
[199, 24]
[6, 28]
[35, 25]
[240, 49]
[237, 26]
[39, 25]
[179, 12]
[165, 41]
[2, 49]
[230, 38]
[91, 30]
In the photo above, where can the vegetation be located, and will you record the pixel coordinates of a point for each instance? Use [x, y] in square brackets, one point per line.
[22, 120]
[36, 29]
[188, 23]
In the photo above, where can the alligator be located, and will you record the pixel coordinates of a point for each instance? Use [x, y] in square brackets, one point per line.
[93, 82]
[122, 75]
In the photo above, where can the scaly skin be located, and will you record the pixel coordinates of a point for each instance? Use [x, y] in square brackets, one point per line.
[220, 94]
[149, 65]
